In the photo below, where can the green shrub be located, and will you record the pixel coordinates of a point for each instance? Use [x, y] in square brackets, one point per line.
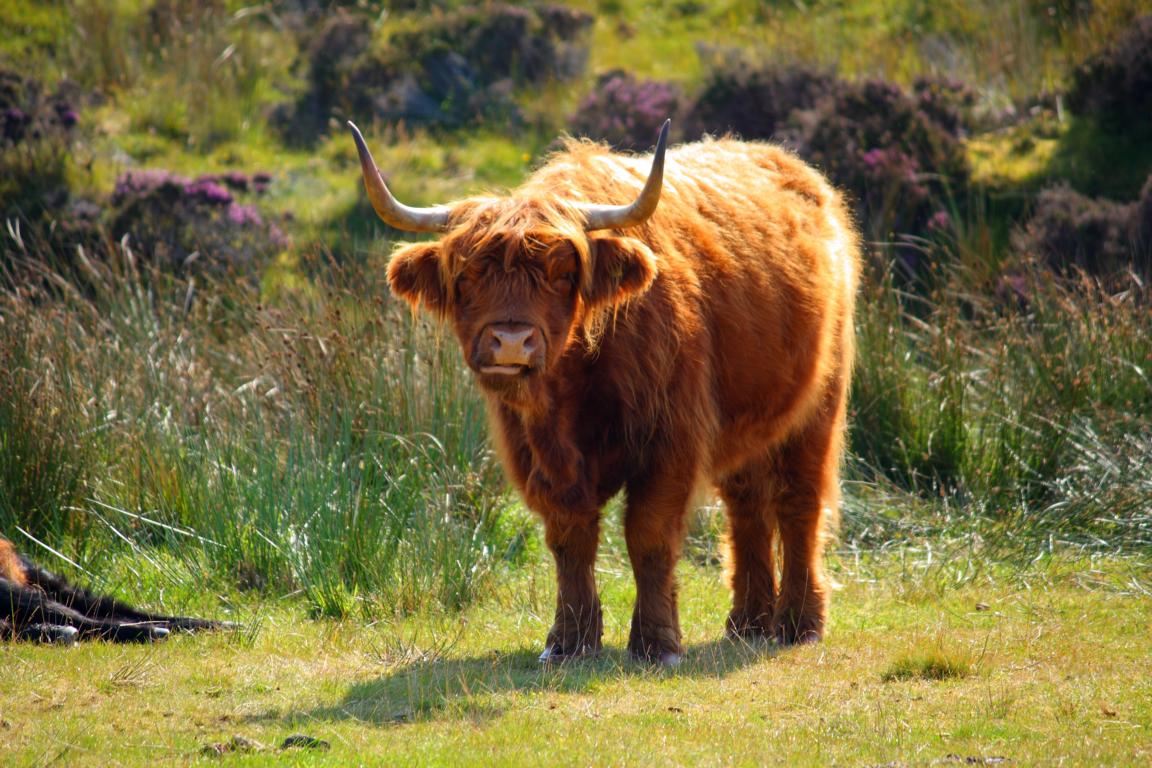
[755, 101]
[448, 70]
[1115, 85]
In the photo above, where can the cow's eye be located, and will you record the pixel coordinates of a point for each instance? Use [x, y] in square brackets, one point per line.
[563, 283]
[464, 288]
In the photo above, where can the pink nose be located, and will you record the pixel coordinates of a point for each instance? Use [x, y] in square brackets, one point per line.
[511, 343]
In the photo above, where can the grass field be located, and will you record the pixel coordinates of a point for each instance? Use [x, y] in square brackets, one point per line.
[931, 659]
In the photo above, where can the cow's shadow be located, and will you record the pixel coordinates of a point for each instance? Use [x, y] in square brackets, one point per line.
[472, 687]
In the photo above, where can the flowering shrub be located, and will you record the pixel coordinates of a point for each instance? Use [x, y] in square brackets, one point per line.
[948, 103]
[1101, 237]
[175, 220]
[35, 138]
[624, 111]
[755, 101]
[895, 157]
[1115, 85]
[896, 152]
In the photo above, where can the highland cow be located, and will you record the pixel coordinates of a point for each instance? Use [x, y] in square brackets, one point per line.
[701, 334]
[40, 606]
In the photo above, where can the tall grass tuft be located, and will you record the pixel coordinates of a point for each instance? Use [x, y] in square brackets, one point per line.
[316, 440]
[1010, 402]
[165, 56]
[43, 457]
[934, 664]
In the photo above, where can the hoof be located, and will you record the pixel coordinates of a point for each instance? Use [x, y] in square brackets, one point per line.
[748, 627]
[65, 635]
[554, 654]
[749, 635]
[663, 659]
[811, 637]
[792, 635]
[136, 633]
[56, 634]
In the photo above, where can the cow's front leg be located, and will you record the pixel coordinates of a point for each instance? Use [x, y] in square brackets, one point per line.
[578, 626]
[654, 527]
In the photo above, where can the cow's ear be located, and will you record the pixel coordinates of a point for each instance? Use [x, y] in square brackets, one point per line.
[414, 275]
[622, 267]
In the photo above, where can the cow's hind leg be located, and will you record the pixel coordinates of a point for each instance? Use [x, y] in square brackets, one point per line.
[654, 526]
[748, 498]
[789, 496]
[807, 470]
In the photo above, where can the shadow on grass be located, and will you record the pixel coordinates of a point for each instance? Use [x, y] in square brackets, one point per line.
[466, 687]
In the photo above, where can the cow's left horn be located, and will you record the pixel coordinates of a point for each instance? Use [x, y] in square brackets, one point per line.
[389, 208]
[621, 216]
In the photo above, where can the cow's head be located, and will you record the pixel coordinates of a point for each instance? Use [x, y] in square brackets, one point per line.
[521, 279]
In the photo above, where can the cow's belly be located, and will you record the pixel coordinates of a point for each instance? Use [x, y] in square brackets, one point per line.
[773, 363]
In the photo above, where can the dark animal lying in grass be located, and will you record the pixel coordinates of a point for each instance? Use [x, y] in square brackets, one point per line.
[40, 606]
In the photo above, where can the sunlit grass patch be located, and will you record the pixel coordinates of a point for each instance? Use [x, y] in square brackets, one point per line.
[932, 664]
[1015, 158]
[451, 688]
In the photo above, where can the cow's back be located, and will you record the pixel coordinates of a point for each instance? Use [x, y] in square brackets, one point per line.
[758, 252]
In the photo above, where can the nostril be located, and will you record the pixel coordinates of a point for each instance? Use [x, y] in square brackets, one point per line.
[512, 344]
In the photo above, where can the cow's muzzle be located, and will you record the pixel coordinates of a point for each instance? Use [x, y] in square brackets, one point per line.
[509, 349]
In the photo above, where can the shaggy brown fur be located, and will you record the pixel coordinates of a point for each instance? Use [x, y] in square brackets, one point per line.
[37, 605]
[712, 344]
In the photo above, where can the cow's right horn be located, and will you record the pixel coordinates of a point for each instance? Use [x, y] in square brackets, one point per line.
[388, 208]
[638, 211]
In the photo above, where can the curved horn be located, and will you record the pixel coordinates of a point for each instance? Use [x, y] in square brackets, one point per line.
[620, 216]
[391, 210]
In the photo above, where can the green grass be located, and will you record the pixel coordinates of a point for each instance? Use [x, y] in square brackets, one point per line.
[326, 442]
[933, 664]
[1054, 653]
[1020, 160]
[1009, 417]
[1006, 49]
